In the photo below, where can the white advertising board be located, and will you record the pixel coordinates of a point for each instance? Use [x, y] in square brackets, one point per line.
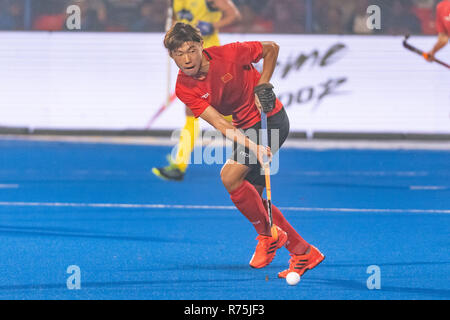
[118, 81]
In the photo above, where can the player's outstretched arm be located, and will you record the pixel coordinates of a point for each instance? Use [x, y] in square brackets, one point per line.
[441, 42]
[230, 13]
[214, 118]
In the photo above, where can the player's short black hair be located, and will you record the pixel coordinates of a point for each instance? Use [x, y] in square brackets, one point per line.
[179, 34]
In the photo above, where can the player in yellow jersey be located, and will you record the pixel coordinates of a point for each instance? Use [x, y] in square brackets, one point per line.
[209, 16]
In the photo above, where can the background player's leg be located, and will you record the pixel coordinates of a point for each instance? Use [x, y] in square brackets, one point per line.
[187, 140]
[189, 134]
[177, 167]
[228, 118]
[188, 137]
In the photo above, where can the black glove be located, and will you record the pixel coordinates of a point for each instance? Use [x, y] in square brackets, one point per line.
[266, 96]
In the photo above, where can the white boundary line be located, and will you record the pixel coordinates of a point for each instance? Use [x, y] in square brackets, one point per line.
[315, 144]
[211, 207]
[9, 186]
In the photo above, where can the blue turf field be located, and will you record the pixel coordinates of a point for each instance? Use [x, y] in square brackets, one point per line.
[65, 204]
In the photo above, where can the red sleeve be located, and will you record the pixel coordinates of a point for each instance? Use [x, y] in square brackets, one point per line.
[196, 104]
[246, 52]
[440, 16]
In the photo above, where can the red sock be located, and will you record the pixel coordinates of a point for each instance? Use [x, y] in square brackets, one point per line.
[295, 243]
[249, 203]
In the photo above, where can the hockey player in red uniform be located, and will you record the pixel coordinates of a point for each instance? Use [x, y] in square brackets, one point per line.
[221, 81]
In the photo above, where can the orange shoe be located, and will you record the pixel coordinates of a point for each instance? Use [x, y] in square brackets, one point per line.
[301, 263]
[266, 249]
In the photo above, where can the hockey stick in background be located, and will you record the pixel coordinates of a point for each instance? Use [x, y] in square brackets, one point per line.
[169, 97]
[420, 52]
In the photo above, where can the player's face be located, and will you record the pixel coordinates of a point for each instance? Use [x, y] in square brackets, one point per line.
[188, 57]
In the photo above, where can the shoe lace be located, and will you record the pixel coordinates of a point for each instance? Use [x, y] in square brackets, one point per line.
[264, 242]
[291, 260]
[294, 259]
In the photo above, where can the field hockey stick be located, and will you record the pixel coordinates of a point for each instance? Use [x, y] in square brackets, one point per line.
[169, 97]
[169, 22]
[266, 165]
[420, 52]
[164, 106]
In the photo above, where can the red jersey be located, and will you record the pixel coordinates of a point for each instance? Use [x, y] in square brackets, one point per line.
[443, 17]
[228, 86]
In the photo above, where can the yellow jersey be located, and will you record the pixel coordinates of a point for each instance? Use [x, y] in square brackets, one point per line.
[193, 11]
